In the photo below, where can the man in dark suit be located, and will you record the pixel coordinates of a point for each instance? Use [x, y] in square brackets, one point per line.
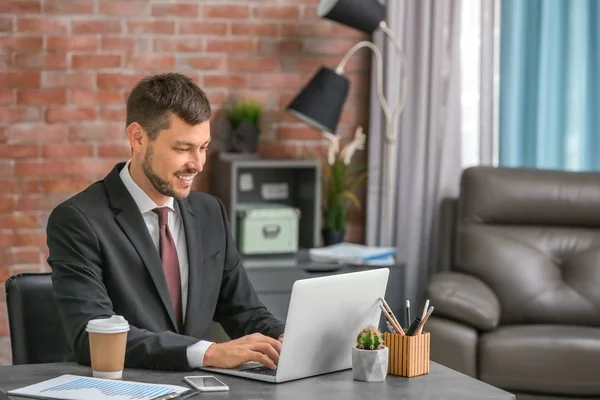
[141, 244]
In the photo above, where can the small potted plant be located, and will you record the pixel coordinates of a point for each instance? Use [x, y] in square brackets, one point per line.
[370, 356]
[244, 126]
[341, 179]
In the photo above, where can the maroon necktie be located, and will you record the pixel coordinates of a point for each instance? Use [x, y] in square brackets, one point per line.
[170, 262]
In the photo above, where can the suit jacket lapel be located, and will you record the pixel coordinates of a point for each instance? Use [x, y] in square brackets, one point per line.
[194, 250]
[132, 222]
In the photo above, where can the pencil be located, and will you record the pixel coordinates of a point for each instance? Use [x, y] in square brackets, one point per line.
[425, 309]
[389, 318]
[420, 328]
[387, 307]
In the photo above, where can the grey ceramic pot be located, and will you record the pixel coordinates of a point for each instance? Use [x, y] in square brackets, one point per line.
[370, 365]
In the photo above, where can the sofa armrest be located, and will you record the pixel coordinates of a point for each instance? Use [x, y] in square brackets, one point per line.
[464, 298]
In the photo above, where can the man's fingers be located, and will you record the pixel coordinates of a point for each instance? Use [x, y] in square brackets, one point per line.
[260, 338]
[267, 349]
[262, 358]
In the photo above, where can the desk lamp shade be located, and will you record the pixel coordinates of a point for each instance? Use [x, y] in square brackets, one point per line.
[320, 103]
[364, 15]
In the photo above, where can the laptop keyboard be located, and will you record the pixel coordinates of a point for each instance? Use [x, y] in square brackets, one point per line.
[262, 371]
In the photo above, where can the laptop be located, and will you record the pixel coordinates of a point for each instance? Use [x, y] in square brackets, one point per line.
[324, 318]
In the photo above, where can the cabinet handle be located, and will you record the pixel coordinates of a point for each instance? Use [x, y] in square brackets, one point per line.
[271, 231]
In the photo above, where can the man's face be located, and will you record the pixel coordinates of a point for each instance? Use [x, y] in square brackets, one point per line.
[174, 158]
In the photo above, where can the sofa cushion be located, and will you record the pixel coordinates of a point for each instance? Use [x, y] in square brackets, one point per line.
[550, 359]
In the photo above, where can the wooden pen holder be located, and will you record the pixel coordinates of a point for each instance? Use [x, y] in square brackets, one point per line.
[408, 355]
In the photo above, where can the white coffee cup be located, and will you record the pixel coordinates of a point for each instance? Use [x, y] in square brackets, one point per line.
[108, 341]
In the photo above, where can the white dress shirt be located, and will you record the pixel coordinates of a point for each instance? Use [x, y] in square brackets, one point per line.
[195, 353]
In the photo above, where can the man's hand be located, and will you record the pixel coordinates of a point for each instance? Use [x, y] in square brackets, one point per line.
[254, 347]
[280, 338]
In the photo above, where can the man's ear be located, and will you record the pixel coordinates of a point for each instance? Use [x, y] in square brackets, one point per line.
[136, 136]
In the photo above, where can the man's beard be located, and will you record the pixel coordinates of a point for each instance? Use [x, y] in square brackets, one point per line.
[162, 186]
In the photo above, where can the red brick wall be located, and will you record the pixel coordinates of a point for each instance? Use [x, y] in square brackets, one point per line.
[66, 67]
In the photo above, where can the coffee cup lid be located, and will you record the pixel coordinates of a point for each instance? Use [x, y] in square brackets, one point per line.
[114, 324]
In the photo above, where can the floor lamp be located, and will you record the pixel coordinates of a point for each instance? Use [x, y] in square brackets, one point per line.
[319, 104]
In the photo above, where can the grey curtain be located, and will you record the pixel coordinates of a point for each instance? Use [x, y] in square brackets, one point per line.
[428, 156]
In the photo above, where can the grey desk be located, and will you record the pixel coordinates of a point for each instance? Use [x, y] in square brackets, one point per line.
[440, 383]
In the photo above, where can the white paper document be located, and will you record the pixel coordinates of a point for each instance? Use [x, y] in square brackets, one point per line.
[74, 387]
[354, 254]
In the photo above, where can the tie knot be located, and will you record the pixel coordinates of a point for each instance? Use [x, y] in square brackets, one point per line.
[163, 215]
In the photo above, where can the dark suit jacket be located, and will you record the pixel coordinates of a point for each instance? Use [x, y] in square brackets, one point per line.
[104, 262]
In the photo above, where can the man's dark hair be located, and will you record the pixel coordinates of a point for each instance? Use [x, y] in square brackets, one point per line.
[156, 98]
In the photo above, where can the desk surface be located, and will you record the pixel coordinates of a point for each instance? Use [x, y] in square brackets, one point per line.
[440, 383]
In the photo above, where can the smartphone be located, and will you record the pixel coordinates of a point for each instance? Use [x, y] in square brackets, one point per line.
[206, 383]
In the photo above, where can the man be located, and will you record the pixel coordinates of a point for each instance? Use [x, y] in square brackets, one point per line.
[141, 244]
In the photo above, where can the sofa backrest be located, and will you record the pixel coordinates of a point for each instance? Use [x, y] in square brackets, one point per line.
[533, 236]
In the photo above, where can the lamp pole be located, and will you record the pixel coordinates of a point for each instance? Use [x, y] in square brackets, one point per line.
[386, 231]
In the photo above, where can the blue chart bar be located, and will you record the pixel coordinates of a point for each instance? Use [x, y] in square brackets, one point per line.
[133, 391]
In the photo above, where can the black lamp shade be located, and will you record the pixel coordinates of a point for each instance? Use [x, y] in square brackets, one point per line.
[320, 103]
[364, 15]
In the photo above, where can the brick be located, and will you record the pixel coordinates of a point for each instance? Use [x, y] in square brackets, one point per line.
[72, 43]
[226, 81]
[7, 167]
[313, 28]
[202, 28]
[16, 114]
[42, 96]
[230, 45]
[39, 167]
[310, 12]
[253, 63]
[280, 46]
[69, 7]
[124, 8]
[203, 63]
[216, 98]
[184, 10]
[298, 133]
[17, 221]
[6, 240]
[65, 185]
[120, 150]
[277, 80]
[22, 43]
[155, 27]
[71, 80]
[7, 204]
[192, 45]
[67, 150]
[226, 11]
[7, 97]
[328, 46]
[24, 256]
[19, 150]
[49, 25]
[20, 6]
[95, 26]
[96, 61]
[22, 79]
[41, 60]
[113, 114]
[6, 24]
[150, 61]
[91, 166]
[34, 238]
[254, 29]
[37, 132]
[70, 114]
[118, 80]
[117, 44]
[277, 150]
[97, 132]
[9, 186]
[277, 12]
[89, 97]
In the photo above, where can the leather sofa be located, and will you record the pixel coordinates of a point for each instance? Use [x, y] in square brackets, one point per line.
[518, 302]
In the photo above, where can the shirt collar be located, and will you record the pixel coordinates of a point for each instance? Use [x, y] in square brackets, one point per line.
[143, 201]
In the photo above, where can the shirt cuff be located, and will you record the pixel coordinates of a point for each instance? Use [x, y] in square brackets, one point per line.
[195, 353]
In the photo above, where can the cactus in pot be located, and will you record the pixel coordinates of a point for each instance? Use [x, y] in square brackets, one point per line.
[370, 355]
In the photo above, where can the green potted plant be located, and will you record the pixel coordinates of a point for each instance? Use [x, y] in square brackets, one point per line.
[244, 118]
[370, 356]
[341, 179]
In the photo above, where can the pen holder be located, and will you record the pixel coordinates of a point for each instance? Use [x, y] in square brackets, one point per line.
[408, 355]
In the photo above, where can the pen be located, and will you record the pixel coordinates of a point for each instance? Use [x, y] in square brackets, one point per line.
[422, 324]
[387, 307]
[408, 312]
[390, 327]
[412, 329]
[389, 317]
